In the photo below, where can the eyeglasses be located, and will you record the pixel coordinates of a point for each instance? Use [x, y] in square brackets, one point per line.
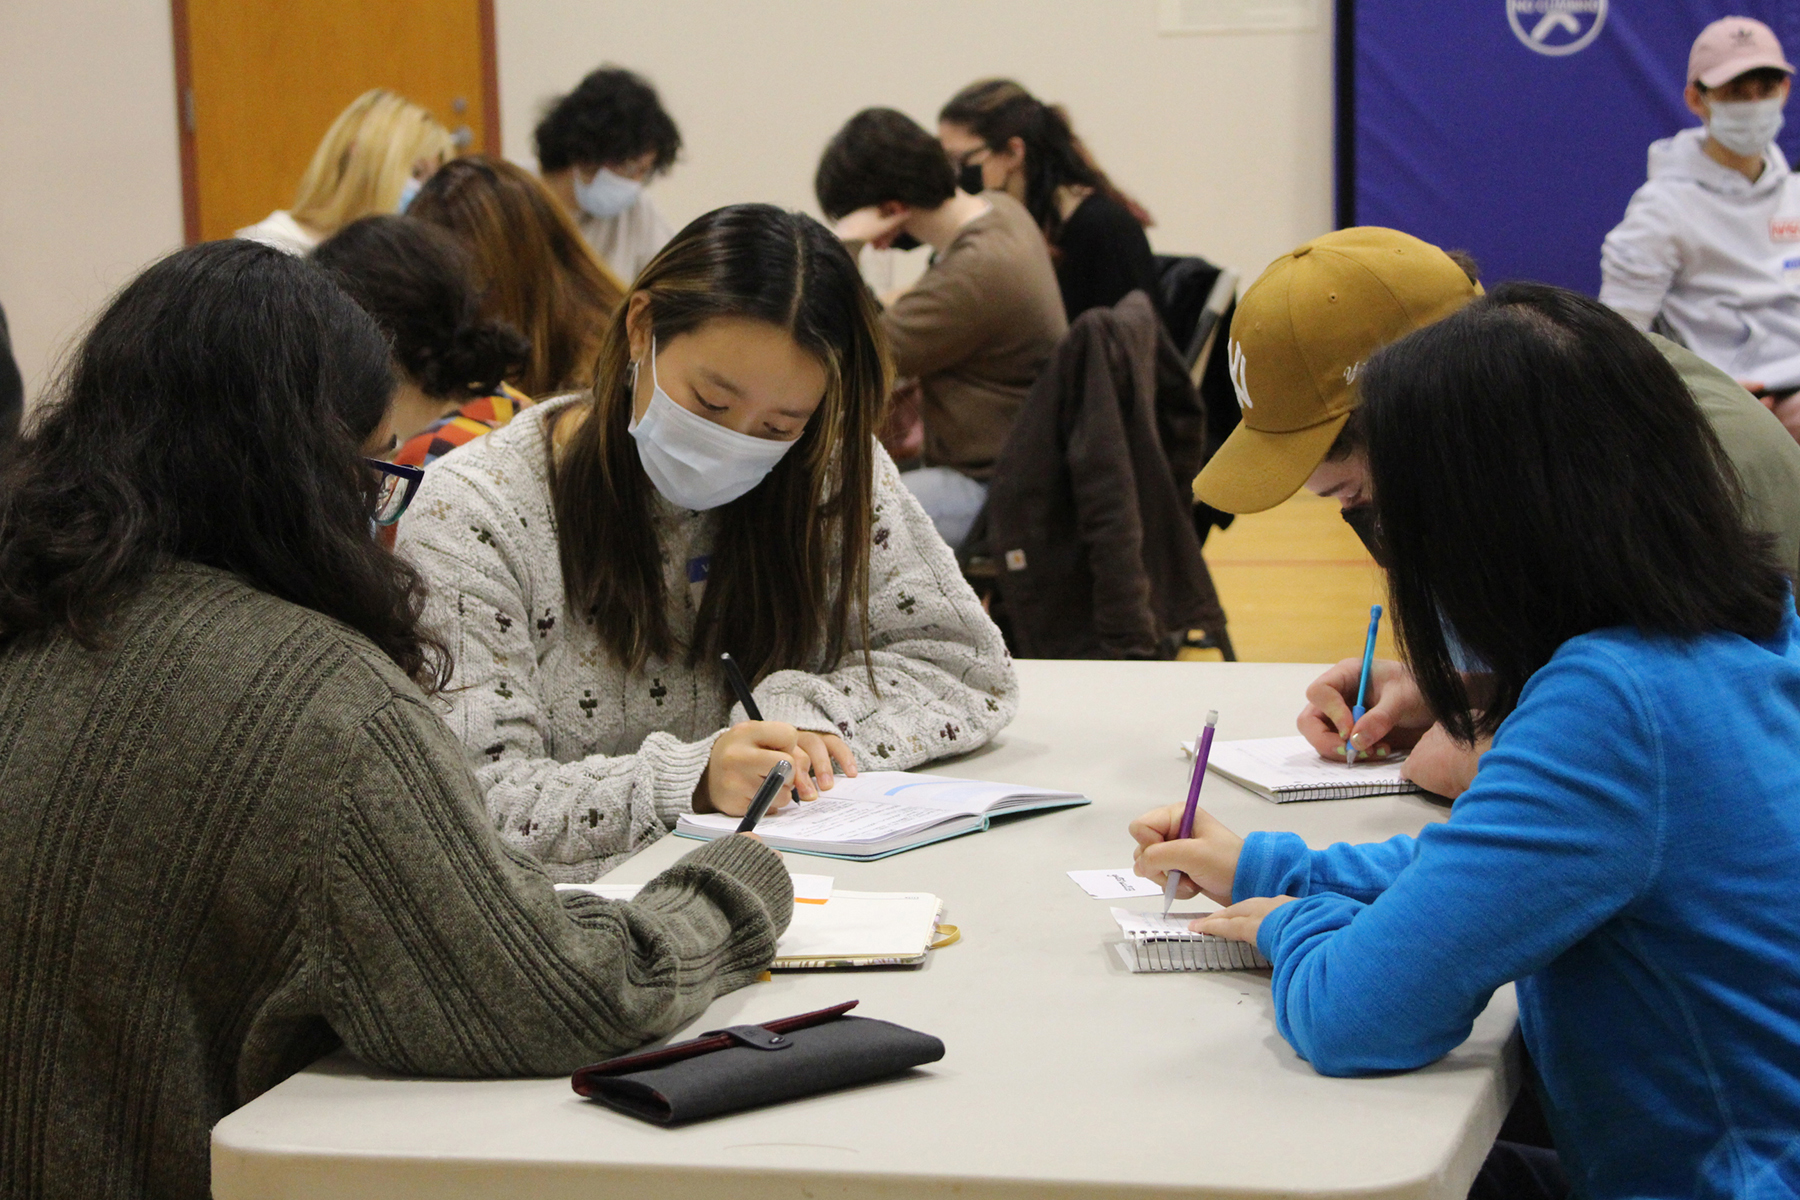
[395, 490]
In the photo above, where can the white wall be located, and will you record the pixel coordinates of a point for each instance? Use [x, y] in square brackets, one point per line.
[94, 173]
[1225, 138]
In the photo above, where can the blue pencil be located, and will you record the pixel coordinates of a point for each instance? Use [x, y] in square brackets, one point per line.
[1362, 688]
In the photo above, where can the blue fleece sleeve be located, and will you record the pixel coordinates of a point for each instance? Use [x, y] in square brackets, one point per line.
[1279, 864]
[1561, 830]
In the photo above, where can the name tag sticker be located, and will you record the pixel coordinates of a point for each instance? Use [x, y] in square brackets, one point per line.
[1784, 229]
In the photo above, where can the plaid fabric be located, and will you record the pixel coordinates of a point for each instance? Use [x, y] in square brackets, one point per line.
[481, 415]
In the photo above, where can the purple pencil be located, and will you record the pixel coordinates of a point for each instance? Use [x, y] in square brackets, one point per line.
[1201, 750]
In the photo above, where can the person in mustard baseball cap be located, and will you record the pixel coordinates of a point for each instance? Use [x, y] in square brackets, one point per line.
[1297, 343]
[1300, 334]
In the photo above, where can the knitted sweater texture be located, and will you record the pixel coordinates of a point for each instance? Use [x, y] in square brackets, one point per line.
[237, 837]
[583, 761]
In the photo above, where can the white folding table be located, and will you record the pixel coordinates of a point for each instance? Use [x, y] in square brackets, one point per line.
[1064, 1075]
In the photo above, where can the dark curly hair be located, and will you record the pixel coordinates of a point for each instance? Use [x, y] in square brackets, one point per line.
[882, 154]
[215, 414]
[417, 281]
[612, 116]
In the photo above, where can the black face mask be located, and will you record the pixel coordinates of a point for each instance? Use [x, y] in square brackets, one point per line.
[905, 241]
[1368, 530]
[969, 179]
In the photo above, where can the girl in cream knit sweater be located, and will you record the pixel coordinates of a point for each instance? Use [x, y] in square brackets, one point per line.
[745, 376]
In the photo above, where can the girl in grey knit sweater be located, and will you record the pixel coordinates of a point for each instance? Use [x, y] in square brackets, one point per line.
[233, 833]
[720, 490]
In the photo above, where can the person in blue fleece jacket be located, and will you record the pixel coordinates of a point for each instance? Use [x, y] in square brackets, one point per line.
[1629, 854]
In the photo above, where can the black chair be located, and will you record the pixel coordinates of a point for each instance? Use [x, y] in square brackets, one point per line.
[1198, 302]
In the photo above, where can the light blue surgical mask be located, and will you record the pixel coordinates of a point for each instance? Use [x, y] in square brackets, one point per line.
[606, 194]
[408, 191]
[696, 463]
[1746, 126]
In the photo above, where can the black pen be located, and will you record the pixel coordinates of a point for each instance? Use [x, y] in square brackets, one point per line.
[772, 783]
[740, 687]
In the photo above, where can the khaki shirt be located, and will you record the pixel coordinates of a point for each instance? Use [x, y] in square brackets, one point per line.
[975, 331]
[1766, 456]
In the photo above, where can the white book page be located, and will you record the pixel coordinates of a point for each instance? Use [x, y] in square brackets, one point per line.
[861, 925]
[940, 792]
[1292, 762]
[832, 818]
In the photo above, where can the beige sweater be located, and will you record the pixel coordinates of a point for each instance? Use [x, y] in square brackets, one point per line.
[582, 761]
[975, 330]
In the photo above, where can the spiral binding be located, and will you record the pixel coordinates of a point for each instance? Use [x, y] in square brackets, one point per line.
[1199, 952]
[1340, 791]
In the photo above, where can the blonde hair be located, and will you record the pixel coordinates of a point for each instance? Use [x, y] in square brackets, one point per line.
[366, 158]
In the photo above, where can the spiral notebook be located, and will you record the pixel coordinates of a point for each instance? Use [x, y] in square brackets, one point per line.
[1154, 942]
[1288, 768]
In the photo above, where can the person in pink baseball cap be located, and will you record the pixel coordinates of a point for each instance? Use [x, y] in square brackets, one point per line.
[1709, 250]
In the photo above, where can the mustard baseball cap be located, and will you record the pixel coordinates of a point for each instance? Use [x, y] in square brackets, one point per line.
[1299, 338]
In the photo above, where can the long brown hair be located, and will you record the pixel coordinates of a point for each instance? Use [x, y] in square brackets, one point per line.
[790, 563]
[537, 273]
[998, 110]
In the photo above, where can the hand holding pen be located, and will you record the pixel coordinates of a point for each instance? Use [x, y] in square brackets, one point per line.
[745, 753]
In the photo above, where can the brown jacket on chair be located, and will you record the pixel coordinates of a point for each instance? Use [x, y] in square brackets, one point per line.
[1088, 516]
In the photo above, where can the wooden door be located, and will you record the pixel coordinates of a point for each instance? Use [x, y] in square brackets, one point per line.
[260, 81]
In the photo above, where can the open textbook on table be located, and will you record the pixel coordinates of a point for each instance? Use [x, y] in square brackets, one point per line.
[879, 813]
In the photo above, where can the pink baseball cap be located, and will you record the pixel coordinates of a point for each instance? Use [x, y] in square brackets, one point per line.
[1729, 47]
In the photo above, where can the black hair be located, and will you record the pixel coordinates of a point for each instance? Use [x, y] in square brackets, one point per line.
[1541, 471]
[416, 280]
[880, 155]
[999, 110]
[1768, 76]
[612, 116]
[215, 414]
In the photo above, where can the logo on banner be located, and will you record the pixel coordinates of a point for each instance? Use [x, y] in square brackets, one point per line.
[1556, 27]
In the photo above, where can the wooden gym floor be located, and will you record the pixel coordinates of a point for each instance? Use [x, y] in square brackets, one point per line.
[1296, 585]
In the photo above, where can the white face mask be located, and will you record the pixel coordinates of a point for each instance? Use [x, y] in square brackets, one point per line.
[1745, 126]
[606, 194]
[696, 463]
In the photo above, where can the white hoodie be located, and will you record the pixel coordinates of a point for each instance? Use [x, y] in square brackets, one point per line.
[1716, 256]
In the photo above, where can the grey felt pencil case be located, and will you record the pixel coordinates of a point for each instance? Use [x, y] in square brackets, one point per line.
[748, 1066]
